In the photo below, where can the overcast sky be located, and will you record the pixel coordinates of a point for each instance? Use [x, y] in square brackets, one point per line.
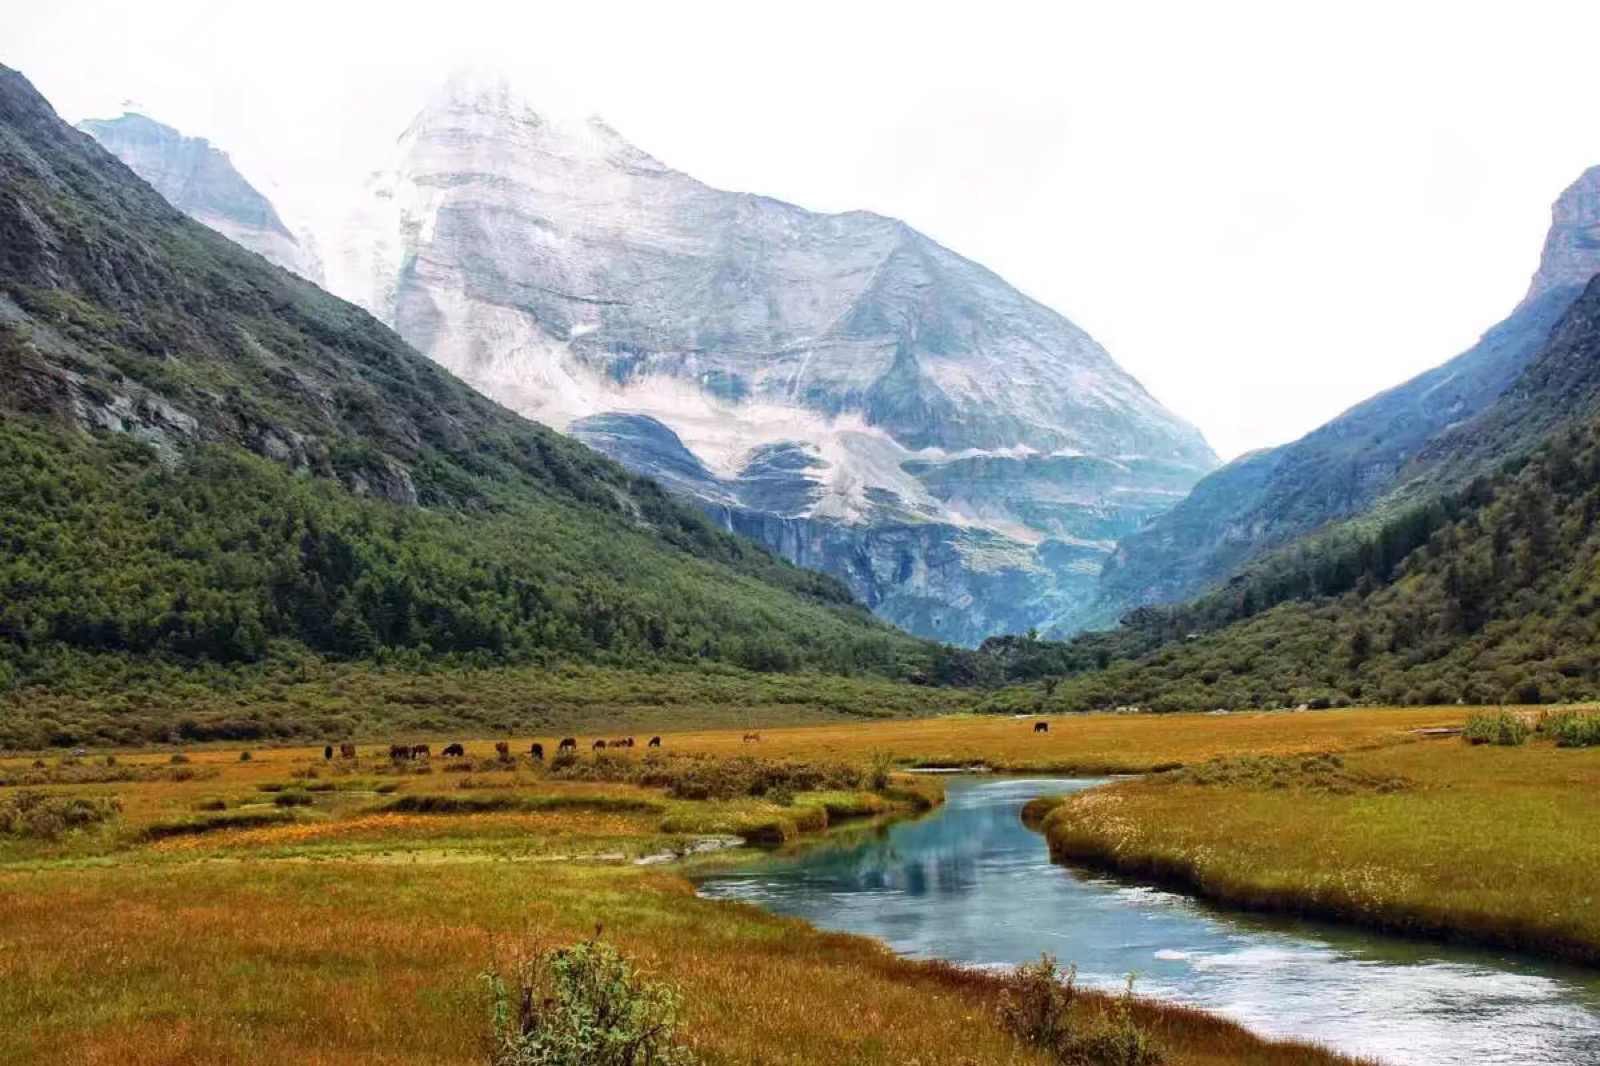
[1267, 212]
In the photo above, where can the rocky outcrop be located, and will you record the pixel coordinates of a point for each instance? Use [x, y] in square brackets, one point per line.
[199, 180]
[840, 387]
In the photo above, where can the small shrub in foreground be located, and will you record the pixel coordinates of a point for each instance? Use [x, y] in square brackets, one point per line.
[1496, 727]
[583, 1005]
[1037, 1002]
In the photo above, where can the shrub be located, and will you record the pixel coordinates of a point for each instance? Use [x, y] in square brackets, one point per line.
[44, 816]
[179, 759]
[1036, 1006]
[583, 1005]
[245, 756]
[1496, 727]
[1572, 730]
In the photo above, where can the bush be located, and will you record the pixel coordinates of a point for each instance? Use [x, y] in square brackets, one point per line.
[245, 756]
[878, 771]
[1572, 730]
[583, 1005]
[1497, 727]
[1037, 1007]
[44, 816]
[179, 759]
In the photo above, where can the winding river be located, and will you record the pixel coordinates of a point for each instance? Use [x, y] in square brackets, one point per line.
[971, 884]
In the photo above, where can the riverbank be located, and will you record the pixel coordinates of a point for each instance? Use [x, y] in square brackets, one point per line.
[349, 923]
[1433, 839]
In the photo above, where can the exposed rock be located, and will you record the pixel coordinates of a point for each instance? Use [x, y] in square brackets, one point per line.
[839, 386]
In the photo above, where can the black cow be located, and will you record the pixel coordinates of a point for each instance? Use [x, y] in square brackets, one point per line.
[655, 742]
[1041, 727]
[537, 751]
[454, 751]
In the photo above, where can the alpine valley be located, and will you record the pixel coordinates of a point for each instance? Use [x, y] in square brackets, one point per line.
[840, 388]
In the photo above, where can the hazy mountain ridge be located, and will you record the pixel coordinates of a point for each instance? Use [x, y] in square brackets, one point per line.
[198, 179]
[1421, 437]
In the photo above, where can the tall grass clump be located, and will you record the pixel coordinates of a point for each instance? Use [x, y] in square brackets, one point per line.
[1039, 1006]
[583, 1005]
[1496, 727]
[43, 816]
[1572, 730]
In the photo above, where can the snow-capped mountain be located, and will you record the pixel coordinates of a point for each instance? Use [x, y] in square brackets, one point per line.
[199, 180]
[839, 387]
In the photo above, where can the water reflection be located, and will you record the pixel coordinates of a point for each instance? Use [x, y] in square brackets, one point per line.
[972, 884]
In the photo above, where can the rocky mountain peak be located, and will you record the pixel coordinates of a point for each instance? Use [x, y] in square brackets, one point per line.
[200, 180]
[1572, 247]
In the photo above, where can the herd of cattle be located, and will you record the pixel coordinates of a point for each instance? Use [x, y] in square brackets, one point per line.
[502, 749]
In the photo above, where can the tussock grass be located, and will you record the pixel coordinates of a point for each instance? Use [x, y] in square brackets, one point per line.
[1492, 844]
[470, 803]
[216, 822]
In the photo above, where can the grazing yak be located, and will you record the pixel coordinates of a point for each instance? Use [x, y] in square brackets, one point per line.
[537, 751]
[569, 744]
[399, 751]
[502, 751]
[454, 751]
[752, 738]
[1041, 727]
[599, 745]
[655, 742]
[347, 751]
[421, 751]
[327, 751]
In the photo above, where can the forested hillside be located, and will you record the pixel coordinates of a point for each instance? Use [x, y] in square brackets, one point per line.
[1486, 593]
[205, 459]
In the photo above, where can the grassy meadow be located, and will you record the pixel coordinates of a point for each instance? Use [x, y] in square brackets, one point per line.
[1439, 838]
[193, 915]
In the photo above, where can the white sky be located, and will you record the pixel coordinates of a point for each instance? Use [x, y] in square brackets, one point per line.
[1267, 212]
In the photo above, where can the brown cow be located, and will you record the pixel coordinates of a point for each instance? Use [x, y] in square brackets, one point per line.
[454, 751]
[569, 744]
[1041, 727]
[537, 751]
[655, 742]
[347, 751]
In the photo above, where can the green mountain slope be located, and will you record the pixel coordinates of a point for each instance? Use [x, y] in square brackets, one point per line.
[204, 458]
[1416, 440]
[1487, 592]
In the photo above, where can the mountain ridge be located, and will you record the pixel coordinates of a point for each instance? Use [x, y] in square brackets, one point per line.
[573, 276]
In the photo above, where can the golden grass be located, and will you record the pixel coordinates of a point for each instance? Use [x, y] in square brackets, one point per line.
[355, 934]
[1488, 844]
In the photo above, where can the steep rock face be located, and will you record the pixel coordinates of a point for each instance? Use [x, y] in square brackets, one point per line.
[199, 180]
[1411, 440]
[839, 386]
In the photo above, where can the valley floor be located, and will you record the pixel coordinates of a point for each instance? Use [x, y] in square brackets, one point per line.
[290, 908]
